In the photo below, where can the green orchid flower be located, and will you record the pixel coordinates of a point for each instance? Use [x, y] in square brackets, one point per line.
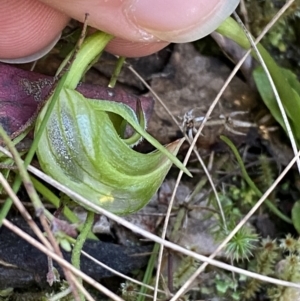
[83, 147]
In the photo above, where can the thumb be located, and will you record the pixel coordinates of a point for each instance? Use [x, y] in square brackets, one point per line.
[28, 27]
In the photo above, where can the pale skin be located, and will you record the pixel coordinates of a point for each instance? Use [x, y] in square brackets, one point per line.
[141, 27]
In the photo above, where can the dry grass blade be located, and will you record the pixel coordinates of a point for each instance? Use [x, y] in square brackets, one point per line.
[40, 212]
[276, 94]
[140, 231]
[262, 199]
[170, 206]
[118, 273]
[61, 261]
[236, 229]
[24, 212]
[43, 239]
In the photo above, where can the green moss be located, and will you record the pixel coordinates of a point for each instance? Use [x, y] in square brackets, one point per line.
[282, 41]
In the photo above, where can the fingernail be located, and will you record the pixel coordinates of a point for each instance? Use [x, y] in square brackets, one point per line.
[33, 57]
[179, 21]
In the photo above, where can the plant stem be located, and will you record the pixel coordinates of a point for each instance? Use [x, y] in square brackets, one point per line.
[75, 258]
[116, 72]
[89, 50]
[149, 272]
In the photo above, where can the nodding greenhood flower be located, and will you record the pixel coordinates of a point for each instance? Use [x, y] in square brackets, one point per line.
[81, 147]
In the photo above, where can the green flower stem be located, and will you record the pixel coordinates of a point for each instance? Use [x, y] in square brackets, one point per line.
[270, 205]
[75, 258]
[89, 50]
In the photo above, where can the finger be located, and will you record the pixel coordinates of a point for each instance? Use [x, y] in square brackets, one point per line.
[133, 49]
[133, 20]
[146, 21]
[28, 27]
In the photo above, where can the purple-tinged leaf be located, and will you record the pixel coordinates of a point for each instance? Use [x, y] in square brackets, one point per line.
[21, 92]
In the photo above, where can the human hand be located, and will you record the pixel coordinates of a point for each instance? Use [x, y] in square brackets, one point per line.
[30, 28]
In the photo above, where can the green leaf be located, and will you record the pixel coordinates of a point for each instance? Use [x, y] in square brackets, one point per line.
[285, 81]
[291, 105]
[82, 149]
[292, 79]
[296, 216]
